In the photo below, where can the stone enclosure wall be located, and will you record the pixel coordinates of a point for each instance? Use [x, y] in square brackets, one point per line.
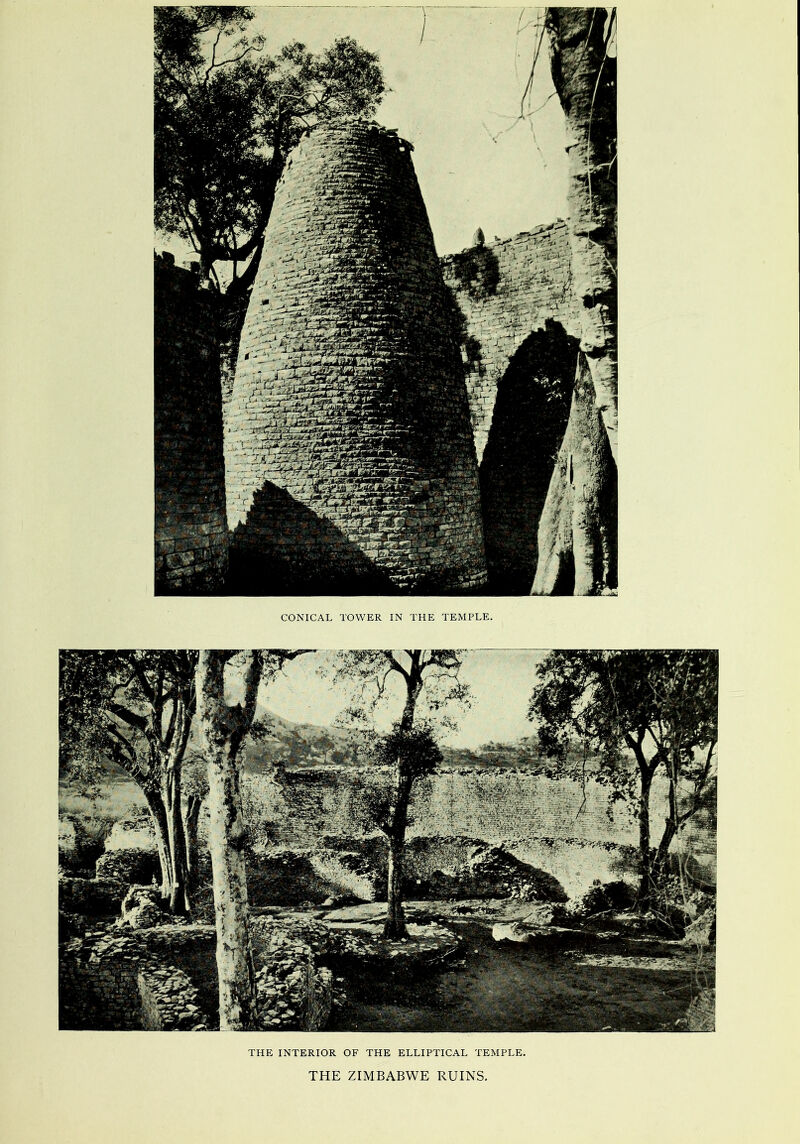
[349, 457]
[519, 335]
[569, 829]
[191, 535]
[392, 420]
[493, 805]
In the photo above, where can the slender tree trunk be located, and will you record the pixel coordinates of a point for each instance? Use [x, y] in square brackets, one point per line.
[179, 892]
[190, 825]
[577, 537]
[645, 879]
[395, 925]
[584, 76]
[158, 813]
[671, 824]
[223, 728]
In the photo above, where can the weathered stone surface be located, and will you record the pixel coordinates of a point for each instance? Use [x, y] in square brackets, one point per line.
[602, 898]
[703, 931]
[511, 931]
[132, 865]
[191, 538]
[90, 897]
[349, 456]
[520, 336]
[141, 908]
[163, 978]
[701, 1015]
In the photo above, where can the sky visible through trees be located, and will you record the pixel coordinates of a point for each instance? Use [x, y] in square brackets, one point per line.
[500, 681]
[457, 77]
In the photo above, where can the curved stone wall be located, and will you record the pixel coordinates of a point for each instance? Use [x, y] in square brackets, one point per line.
[350, 462]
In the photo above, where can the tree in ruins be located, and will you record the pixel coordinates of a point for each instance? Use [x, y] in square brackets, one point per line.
[427, 681]
[224, 724]
[658, 706]
[226, 116]
[135, 709]
[577, 535]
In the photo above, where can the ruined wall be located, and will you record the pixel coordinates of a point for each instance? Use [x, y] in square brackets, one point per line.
[191, 537]
[506, 290]
[349, 455]
[519, 334]
[159, 979]
[569, 829]
[491, 805]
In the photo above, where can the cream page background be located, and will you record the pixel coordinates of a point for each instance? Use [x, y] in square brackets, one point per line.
[708, 558]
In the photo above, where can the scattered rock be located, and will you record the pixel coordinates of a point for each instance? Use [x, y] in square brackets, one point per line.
[703, 931]
[141, 908]
[511, 931]
[701, 1013]
[608, 897]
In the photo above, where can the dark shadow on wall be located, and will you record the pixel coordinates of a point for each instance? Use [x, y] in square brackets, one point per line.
[530, 415]
[283, 548]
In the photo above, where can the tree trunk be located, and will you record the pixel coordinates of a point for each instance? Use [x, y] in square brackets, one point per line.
[395, 925]
[578, 528]
[223, 729]
[190, 823]
[178, 891]
[645, 880]
[158, 813]
[584, 77]
[226, 836]
[671, 824]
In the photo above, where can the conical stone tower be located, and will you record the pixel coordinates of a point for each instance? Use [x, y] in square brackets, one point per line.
[350, 463]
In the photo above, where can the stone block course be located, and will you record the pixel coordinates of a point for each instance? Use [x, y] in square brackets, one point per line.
[348, 449]
[191, 537]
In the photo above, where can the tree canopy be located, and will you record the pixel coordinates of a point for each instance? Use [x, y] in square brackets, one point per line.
[658, 706]
[227, 113]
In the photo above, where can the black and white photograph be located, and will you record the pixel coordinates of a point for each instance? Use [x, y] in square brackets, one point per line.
[388, 841]
[385, 301]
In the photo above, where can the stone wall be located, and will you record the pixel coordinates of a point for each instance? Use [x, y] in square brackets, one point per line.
[191, 537]
[519, 335]
[159, 979]
[349, 455]
[493, 805]
[505, 291]
[569, 829]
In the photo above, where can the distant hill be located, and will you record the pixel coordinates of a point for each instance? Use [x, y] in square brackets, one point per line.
[301, 745]
[298, 745]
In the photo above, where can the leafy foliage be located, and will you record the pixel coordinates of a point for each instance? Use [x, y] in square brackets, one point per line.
[658, 706]
[226, 116]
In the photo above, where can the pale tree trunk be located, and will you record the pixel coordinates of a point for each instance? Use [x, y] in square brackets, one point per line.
[179, 891]
[584, 76]
[223, 728]
[577, 536]
[158, 814]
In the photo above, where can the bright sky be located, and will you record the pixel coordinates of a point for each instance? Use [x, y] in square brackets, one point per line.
[451, 94]
[501, 683]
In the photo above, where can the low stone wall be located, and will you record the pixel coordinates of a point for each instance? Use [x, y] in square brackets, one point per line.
[110, 979]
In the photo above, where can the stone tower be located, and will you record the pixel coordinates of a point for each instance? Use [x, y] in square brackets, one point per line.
[350, 463]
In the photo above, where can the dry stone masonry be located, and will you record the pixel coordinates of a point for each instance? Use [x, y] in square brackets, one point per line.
[350, 462]
[392, 420]
[191, 536]
[519, 336]
[507, 290]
